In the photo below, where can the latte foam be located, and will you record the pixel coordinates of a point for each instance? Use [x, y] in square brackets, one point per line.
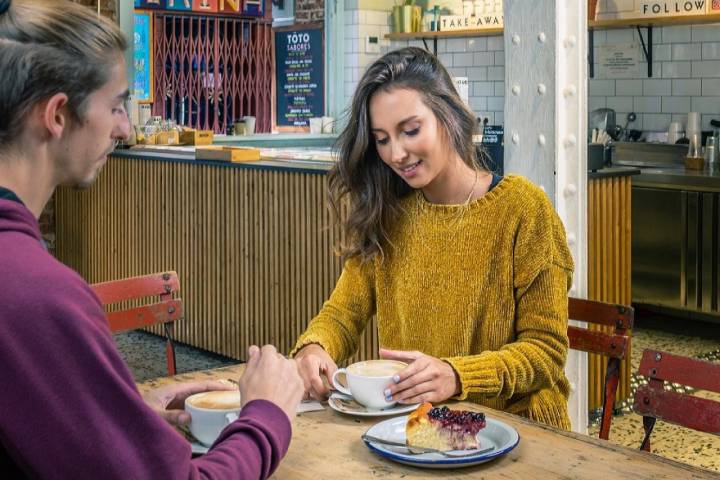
[216, 400]
[376, 368]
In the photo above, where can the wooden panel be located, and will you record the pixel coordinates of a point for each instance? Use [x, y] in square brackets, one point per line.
[130, 319]
[252, 248]
[136, 287]
[597, 342]
[699, 374]
[697, 413]
[608, 269]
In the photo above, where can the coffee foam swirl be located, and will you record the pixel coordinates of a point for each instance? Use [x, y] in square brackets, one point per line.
[217, 400]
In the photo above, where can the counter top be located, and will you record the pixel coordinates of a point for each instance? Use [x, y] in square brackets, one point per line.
[313, 164]
[679, 178]
[613, 172]
[295, 140]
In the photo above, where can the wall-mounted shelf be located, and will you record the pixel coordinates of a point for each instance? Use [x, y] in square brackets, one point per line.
[448, 34]
[592, 24]
[654, 22]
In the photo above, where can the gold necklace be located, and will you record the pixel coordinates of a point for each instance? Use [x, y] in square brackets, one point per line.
[454, 221]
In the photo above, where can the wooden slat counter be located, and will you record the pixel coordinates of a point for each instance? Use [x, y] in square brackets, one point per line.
[252, 243]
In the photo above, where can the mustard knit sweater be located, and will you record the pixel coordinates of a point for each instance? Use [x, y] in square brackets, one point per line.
[482, 286]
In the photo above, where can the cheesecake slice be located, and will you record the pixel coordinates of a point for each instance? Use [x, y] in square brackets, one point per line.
[443, 429]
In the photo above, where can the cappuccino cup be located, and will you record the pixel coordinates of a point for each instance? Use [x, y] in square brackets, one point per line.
[211, 412]
[367, 381]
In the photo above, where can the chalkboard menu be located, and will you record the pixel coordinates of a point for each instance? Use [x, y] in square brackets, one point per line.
[300, 78]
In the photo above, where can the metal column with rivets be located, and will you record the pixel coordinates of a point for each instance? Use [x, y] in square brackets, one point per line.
[545, 130]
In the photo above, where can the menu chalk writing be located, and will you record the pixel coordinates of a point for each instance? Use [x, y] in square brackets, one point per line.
[300, 76]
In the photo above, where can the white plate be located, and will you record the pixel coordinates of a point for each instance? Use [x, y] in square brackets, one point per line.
[496, 433]
[346, 404]
[198, 448]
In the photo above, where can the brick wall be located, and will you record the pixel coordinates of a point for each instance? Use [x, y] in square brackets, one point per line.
[309, 10]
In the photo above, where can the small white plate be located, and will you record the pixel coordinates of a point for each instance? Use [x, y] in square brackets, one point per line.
[495, 434]
[346, 404]
[198, 448]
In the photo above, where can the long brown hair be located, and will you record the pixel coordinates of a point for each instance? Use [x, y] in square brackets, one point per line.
[47, 47]
[372, 189]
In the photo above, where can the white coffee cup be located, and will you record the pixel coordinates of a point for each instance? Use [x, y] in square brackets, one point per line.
[367, 381]
[211, 412]
[327, 124]
[249, 125]
[316, 125]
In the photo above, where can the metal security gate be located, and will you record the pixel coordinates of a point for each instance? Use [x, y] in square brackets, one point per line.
[211, 71]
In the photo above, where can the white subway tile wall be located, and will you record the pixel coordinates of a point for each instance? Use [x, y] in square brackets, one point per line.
[686, 77]
[686, 70]
[481, 59]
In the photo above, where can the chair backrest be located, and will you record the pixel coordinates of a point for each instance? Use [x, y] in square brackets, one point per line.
[160, 285]
[652, 401]
[618, 317]
[613, 344]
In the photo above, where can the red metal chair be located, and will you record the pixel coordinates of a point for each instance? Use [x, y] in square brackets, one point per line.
[653, 402]
[614, 345]
[167, 311]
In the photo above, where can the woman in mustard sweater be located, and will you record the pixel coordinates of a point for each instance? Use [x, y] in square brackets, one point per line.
[467, 272]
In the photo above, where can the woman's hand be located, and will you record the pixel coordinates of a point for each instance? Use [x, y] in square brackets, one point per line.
[169, 400]
[426, 379]
[314, 363]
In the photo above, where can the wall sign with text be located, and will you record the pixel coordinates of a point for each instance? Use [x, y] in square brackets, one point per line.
[300, 82]
[624, 9]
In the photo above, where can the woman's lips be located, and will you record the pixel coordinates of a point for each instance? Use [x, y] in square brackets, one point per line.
[411, 170]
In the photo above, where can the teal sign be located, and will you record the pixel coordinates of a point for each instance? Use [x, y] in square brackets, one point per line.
[142, 57]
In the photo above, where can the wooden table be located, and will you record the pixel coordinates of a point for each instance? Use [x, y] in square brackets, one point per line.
[327, 445]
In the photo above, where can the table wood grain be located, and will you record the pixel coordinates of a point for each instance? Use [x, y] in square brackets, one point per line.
[327, 445]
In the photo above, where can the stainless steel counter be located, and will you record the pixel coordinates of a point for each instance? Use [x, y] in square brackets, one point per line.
[678, 178]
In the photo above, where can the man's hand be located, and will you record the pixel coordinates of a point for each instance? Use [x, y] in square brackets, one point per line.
[270, 376]
[169, 400]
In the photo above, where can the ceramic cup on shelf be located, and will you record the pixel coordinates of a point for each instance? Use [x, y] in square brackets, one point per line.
[328, 123]
[316, 125]
[249, 124]
[367, 381]
[211, 412]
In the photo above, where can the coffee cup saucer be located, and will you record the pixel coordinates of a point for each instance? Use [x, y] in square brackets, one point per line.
[346, 404]
[198, 448]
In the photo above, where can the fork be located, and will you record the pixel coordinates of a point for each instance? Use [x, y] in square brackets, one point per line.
[421, 450]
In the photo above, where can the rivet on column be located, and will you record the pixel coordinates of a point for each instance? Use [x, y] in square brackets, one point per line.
[570, 141]
[541, 140]
[570, 41]
[516, 39]
[516, 89]
[570, 190]
[515, 138]
[569, 91]
[541, 88]
[541, 37]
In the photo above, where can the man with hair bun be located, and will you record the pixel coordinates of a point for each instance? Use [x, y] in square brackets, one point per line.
[69, 406]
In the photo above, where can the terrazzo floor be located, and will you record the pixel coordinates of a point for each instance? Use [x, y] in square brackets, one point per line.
[145, 355]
